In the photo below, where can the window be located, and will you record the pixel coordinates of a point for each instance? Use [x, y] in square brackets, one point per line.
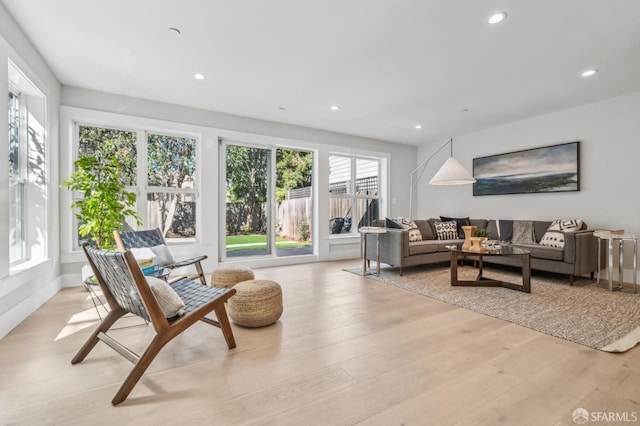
[165, 176]
[27, 169]
[171, 185]
[353, 193]
[268, 201]
[16, 183]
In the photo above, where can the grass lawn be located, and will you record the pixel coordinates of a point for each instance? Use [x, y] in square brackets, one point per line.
[258, 241]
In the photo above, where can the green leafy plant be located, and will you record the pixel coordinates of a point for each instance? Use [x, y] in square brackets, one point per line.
[105, 202]
[481, 233]
[303, 229]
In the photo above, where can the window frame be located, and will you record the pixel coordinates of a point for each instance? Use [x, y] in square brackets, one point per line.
[32, 178]
[351, 193]
[141, 188]
[147, 189]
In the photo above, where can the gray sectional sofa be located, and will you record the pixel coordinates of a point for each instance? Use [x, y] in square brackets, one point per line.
[577, 257]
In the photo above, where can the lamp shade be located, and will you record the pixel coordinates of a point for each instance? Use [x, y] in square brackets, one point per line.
[452, 173]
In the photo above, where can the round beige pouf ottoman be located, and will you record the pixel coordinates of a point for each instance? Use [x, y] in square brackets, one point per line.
[229, 276]
[256, 303]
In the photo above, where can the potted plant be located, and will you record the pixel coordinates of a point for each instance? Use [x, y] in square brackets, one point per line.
[105, 202]
[478, 237]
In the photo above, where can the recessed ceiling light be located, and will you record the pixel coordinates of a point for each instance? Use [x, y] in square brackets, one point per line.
[335, 107]
[497, 17]
[418, 126]
[199, 76]
[589, 73]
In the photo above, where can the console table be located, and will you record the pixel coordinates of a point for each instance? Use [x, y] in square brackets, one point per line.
[619, 239]
[371, 230]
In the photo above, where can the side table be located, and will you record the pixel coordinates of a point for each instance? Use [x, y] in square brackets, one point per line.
[371, 230]
[620, 239]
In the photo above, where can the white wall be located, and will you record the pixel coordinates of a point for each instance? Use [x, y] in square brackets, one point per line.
[22, 292]
[609, 135]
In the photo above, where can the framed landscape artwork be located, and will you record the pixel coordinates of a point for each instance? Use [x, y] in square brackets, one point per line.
[553, 168]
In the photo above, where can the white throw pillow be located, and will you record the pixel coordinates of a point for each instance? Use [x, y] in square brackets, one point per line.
[554, 237]
[169, 301]
[143, 253]
[163, 255]
[410, 225]
[569, 225]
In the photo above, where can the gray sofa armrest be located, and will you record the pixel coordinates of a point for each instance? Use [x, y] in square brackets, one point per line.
[581, 249]
[394, 246]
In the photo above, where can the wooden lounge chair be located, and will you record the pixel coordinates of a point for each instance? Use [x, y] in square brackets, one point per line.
[127, 240]
[127, 291]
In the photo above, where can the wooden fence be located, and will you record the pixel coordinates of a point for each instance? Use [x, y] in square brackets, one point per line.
[290, 217]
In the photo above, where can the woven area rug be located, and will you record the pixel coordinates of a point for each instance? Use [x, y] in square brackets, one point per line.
[582, 313]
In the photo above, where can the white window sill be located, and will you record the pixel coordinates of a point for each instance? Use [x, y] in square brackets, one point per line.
[25, 266]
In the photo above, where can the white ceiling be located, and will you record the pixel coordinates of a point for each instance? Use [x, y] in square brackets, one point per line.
[389, 64]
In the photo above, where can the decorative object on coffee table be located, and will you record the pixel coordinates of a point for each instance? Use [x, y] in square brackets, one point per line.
[479, 236]
[229, 276]
[468, 233]
[257, 303]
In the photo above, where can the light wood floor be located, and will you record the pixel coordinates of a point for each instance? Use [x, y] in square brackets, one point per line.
[347, 350]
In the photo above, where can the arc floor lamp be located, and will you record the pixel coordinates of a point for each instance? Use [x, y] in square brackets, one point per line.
[451, 173]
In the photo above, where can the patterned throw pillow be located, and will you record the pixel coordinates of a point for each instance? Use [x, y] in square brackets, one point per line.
[460, 222]
[446, 230]
[409, 224]
[571, 225]
[554, 237]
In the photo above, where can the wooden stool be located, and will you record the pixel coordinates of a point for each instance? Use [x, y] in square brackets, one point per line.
[256, 303]
[229, 276]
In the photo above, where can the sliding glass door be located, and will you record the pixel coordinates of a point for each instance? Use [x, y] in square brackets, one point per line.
[268, 201]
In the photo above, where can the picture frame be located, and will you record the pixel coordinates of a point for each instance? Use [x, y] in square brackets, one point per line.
[553, 168]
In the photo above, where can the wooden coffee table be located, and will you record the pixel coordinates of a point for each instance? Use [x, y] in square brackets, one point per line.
[481, 280]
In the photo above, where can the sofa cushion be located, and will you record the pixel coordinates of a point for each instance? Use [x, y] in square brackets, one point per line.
[480, 223]
[446, 230]
[460, 222]
[425, 229]
[492, 229]
[540, 227]
[392, 223]
[505, 229]
[424, 246]
[542, 252]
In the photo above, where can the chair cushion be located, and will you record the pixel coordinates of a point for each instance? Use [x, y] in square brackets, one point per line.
[163, 255]
[169, 301]
[143, 253]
